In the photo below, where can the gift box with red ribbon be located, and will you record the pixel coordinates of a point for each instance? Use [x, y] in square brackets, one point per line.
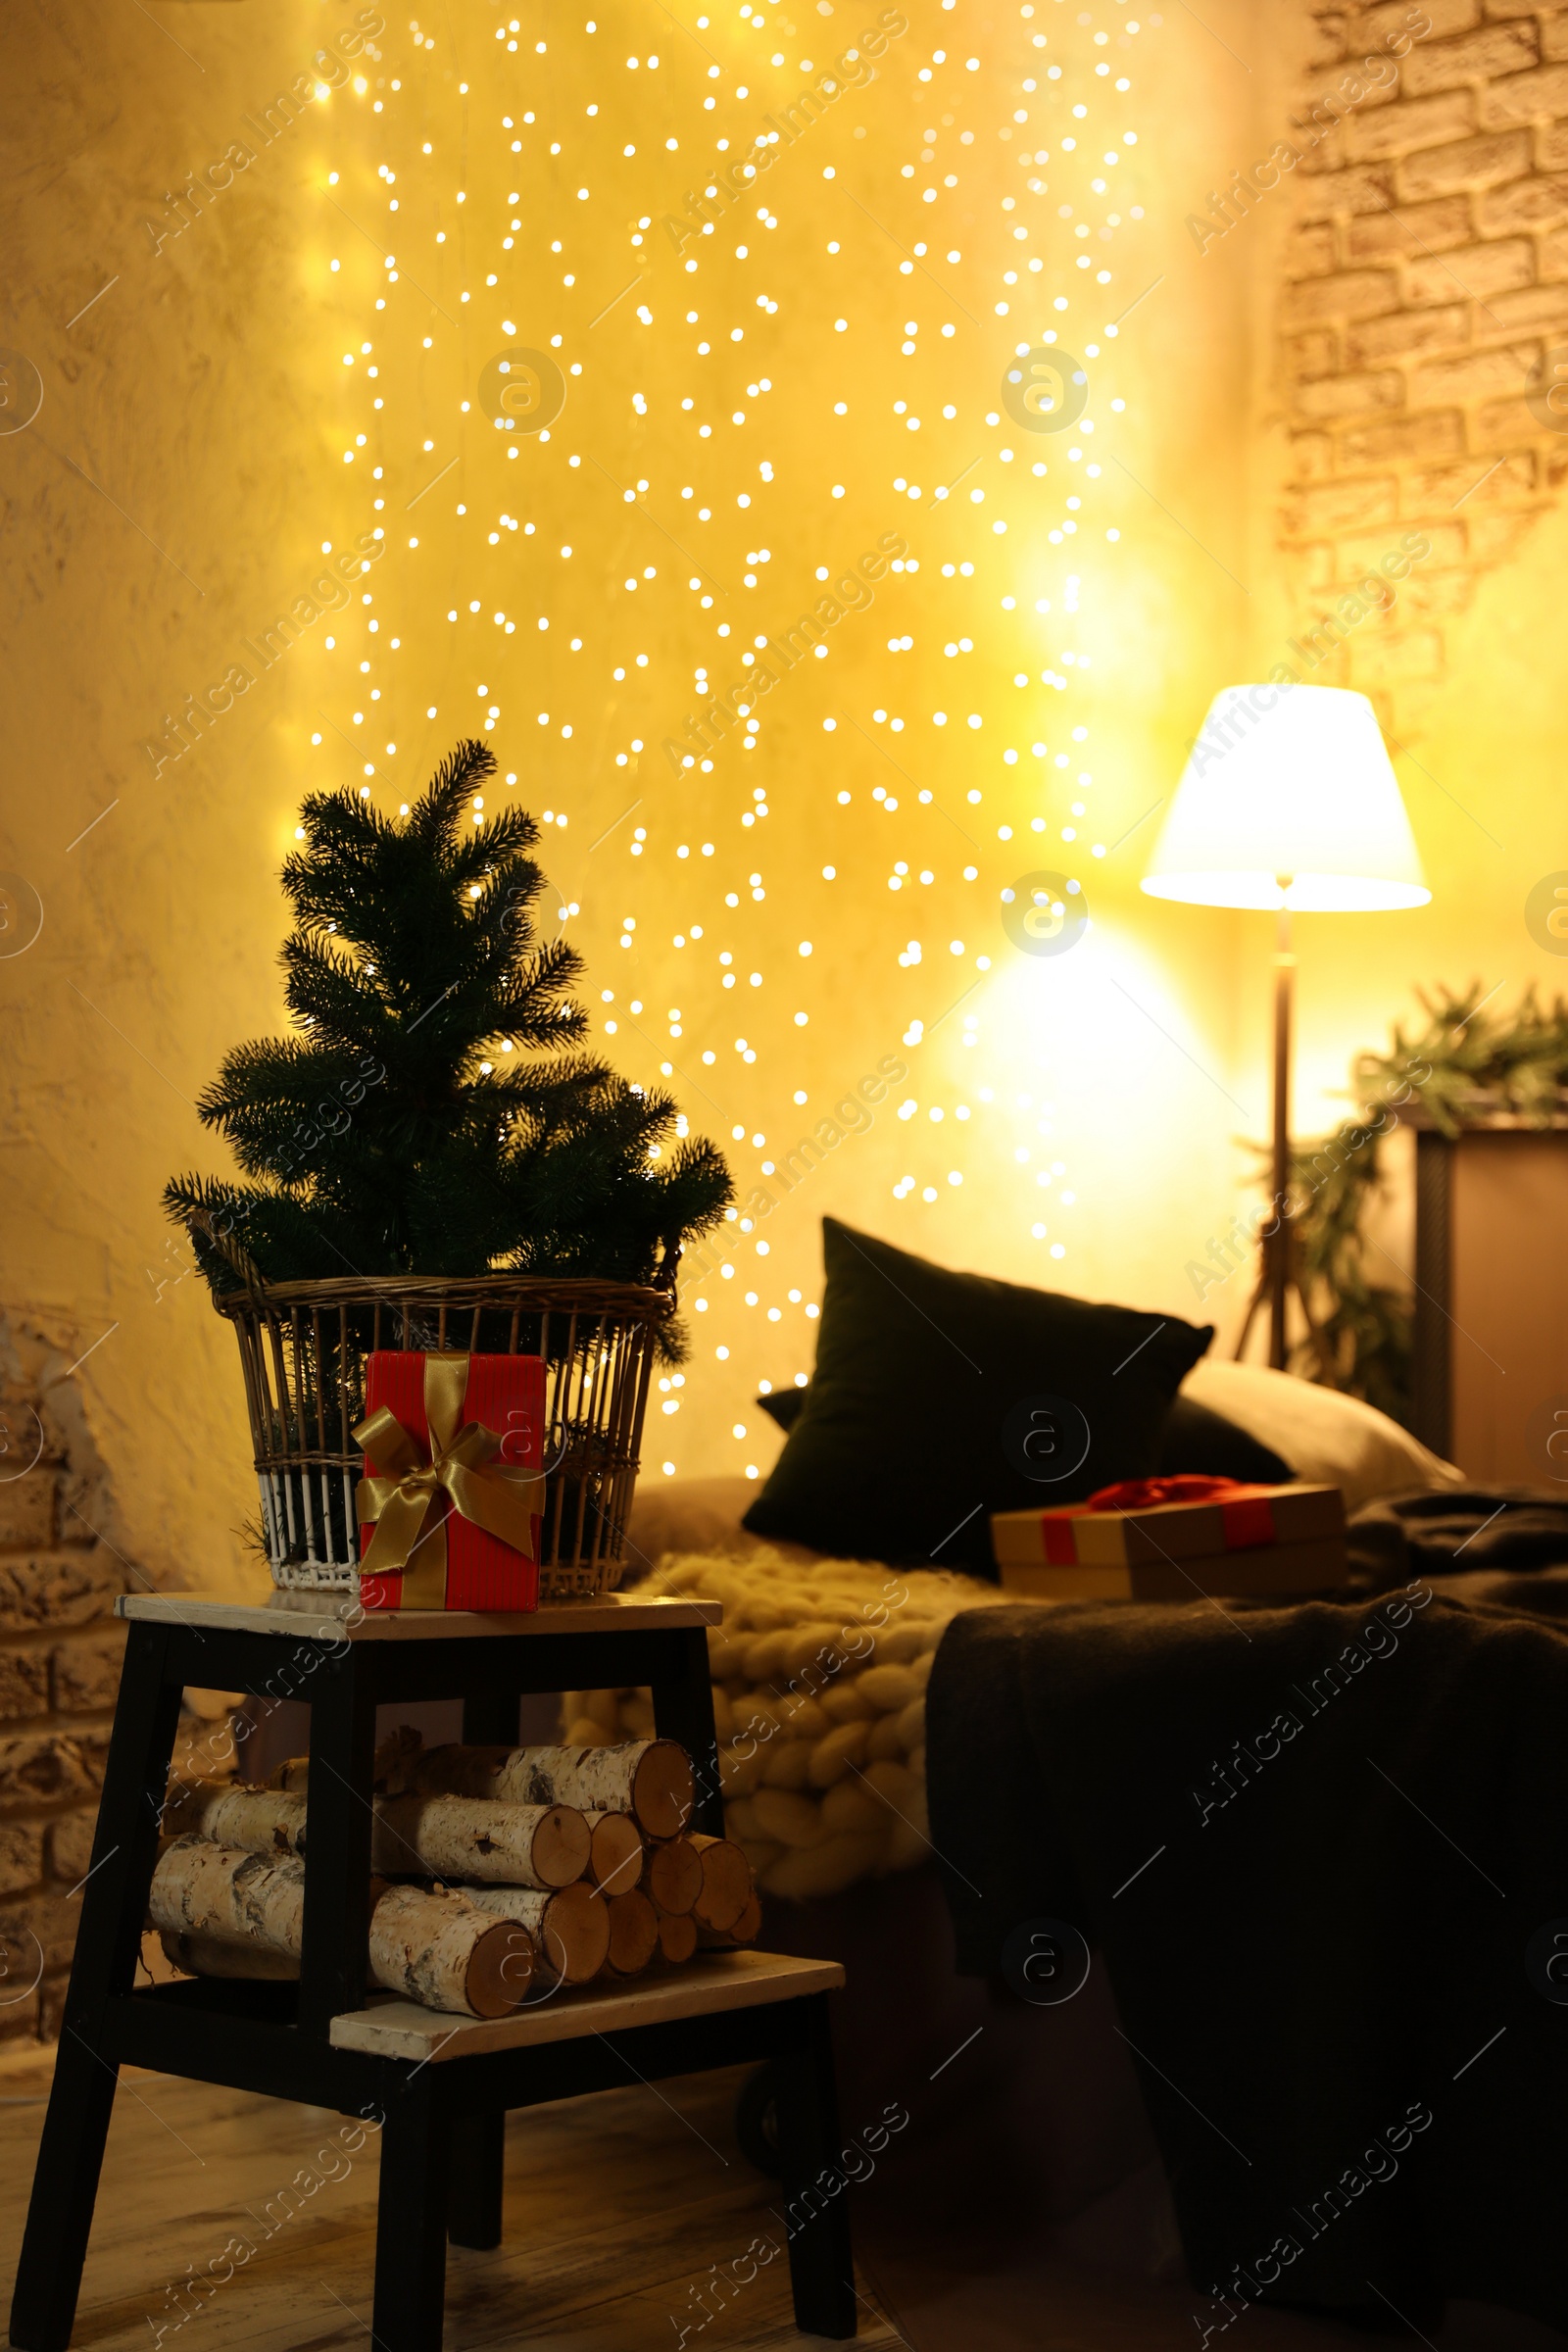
[1174, 1538]
[451, 1500]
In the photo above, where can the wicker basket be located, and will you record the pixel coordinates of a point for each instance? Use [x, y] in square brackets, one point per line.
[303, 1345]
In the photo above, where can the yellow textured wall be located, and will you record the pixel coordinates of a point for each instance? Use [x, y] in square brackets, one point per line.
[307, 363]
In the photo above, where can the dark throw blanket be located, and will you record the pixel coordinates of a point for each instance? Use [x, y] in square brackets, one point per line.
[1456, 1530]
[1321, 1852]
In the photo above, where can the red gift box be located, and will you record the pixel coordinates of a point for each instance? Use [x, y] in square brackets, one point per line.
[1170, 1518]
[441, 1509]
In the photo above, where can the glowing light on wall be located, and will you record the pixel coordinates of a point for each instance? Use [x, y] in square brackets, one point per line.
[676, 368]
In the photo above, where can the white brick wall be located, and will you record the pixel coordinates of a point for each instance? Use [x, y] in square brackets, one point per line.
[1425, 278]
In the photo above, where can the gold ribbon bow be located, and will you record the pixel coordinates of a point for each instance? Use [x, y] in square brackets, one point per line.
[462, 1462]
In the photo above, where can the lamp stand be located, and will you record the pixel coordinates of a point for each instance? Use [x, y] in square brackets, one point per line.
[1277, 1270]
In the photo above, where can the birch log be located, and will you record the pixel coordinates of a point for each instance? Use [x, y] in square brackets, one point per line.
[391, 1772]
[649, 1777]
[745, 1930]
[570, 1929]
[633, 1933]
[726, 1884]
[442, 1951]
[395, 1759]
[480, 1838]
[677, 1936]
[203, 1888]
[216, 1956]
[617, 1853]
[459, 1838]
[672, 1876]
[420, 1945]
[264, 1821]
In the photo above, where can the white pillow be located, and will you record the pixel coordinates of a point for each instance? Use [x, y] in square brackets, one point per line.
[1322, 1435]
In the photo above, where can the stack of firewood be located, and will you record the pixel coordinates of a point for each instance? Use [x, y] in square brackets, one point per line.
[502, 1875]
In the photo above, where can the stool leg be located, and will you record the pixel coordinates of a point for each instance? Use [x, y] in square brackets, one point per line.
[478, 2163]
[683, 1710]
[411, 2223]
[337, 1864]
[65, 2185]
[817, 2218]
[65, 2189]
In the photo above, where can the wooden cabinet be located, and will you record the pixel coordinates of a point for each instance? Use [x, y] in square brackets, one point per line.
[1491, 1362]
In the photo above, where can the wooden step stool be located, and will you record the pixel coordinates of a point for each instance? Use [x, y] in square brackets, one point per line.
[440, 2085]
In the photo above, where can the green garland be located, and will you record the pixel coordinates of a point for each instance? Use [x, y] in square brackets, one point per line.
[1466, 1062]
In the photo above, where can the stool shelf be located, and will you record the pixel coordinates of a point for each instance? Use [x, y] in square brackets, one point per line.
[719, 1980]
[337, 1617]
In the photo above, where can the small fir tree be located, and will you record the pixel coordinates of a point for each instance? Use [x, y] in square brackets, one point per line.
[436, 1116]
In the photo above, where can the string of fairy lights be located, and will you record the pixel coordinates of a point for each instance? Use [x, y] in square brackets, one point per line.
[780, 329]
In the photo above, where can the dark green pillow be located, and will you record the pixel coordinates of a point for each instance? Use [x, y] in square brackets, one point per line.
[1195, 1439]
[940, 1397]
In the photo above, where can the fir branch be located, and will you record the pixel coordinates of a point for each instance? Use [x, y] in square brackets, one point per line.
[435, 1114]
[1467, 1063]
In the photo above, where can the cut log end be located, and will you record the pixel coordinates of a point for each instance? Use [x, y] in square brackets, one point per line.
[664, 1789]
[726, 1884]
[673, 1877]
[562, 1847]
[633, 1933]
[501, 1970]
[616, 1852]
[576, 1934]
[745, 1930]
[677, 1936]
[570, 1929]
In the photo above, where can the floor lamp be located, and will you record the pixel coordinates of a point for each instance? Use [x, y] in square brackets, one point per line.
[1287, 802]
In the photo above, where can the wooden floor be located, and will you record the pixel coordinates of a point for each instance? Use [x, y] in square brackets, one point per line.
[616, 2208]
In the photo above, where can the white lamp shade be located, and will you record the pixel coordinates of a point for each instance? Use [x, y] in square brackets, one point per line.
[1289, 783]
